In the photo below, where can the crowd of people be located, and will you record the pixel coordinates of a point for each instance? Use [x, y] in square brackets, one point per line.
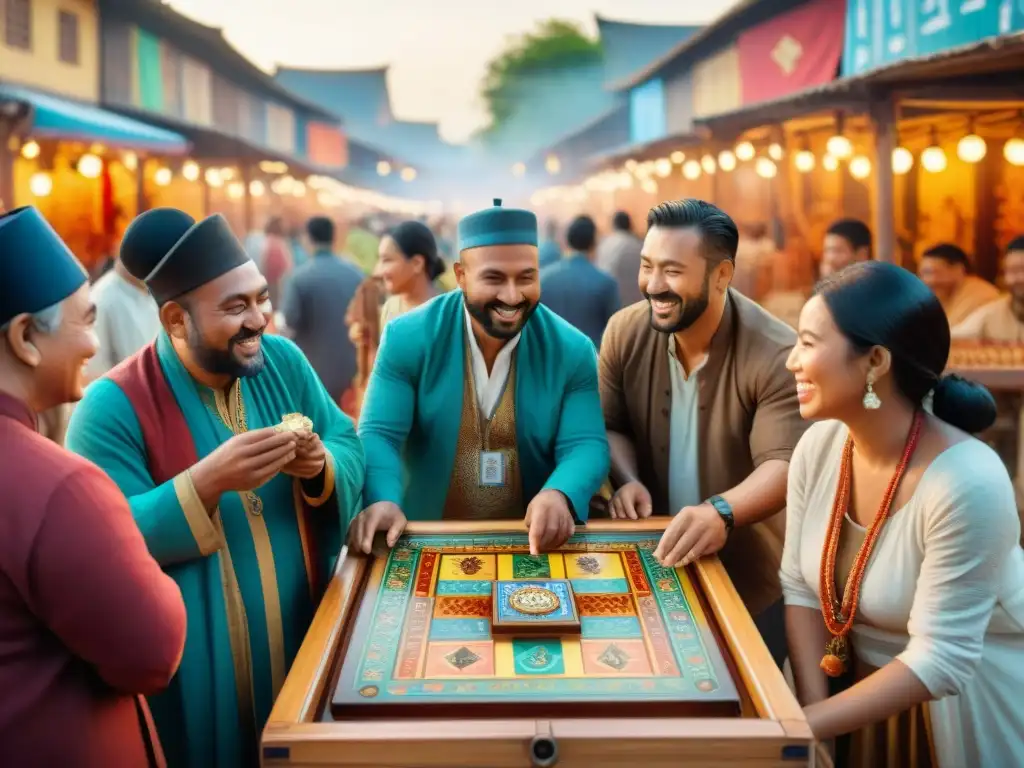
[159, 570]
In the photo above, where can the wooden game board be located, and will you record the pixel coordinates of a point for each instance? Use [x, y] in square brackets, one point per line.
[561, 706]
[423, 641]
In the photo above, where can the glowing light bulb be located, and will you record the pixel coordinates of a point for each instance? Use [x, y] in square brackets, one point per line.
[40, 185]
[902, 161]
[236, 190]
[631, 165]
[383, 168]
[1013, 151]
[775, 152]
[691, 170]
[766, 168]
[650, 186]
[804, 161]
[90, 166]
[860, 167]
[708, 164]
[257, 188]
[519, 169]
[553, 165]
[213, 177]
[162, 177]
[409, 174]
[933, 160]
[663, 167]
[971, 148]
[745, 151]
[839, 147]
[829, 163]
[726, 160]
[190, 171]
[30, 150]
[678, 157]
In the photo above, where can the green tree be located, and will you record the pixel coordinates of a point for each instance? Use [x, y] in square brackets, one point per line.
[554, 44]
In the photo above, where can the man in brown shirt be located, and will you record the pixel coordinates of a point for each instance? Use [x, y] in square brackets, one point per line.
[701, 412]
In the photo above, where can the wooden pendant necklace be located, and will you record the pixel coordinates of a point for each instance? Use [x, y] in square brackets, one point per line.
[838, 615]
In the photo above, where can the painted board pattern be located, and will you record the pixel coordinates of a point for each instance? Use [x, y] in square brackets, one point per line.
[423, 635]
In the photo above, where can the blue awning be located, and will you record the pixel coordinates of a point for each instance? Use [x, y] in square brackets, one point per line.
[58, 118]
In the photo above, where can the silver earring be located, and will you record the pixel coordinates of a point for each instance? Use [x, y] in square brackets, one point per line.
[871, 401]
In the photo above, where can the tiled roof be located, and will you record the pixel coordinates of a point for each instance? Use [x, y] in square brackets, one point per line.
[361, 98]
[629, 47]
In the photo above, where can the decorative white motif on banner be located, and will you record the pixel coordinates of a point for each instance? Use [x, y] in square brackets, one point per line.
[787, 54]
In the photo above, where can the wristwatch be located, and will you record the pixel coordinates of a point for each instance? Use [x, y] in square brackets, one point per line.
[724, 511]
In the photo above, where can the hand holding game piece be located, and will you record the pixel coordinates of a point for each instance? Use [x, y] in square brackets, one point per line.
[243, 463]
[295, 422]
[382, 516]
[310, 457]
[549, 521]
[631, 502]
[692, 534]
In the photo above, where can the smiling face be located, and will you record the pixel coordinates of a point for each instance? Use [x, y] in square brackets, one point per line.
[830, 375]
[221, 324]
[941, 276]
[501, 287]
[397, 272]
[677, 278]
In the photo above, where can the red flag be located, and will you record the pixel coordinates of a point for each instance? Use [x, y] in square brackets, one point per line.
[796, 50]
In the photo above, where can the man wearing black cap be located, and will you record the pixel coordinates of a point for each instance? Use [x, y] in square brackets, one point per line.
[488, 398]
[87, 620]
[239, 468]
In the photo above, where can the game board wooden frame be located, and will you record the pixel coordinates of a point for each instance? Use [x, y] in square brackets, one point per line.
[771, 732]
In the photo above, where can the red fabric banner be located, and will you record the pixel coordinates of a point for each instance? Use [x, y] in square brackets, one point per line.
[326, 145]
[796, 50]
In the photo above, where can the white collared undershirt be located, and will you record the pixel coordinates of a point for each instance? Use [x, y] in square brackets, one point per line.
[489, 386]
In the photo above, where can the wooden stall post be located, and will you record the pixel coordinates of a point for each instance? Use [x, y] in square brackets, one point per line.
[883, 121]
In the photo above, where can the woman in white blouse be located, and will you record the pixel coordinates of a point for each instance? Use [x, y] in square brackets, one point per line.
[902, 570]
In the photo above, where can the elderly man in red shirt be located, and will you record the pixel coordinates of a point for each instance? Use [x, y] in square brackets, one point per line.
[88, 621]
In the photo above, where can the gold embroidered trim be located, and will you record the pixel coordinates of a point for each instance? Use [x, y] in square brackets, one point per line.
[207, 537]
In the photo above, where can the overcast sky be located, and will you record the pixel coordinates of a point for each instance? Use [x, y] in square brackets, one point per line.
[437, 49]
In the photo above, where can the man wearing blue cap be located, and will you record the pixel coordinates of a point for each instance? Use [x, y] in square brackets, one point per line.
[87, 620]
[240, 469]
[482, 404]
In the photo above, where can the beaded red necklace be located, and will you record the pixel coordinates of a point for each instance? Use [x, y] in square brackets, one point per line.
[839, 616]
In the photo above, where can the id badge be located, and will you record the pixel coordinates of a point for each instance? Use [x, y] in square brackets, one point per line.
[492, 469]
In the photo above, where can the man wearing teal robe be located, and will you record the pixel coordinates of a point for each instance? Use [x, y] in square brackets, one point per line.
[483, 404]
[242, 507]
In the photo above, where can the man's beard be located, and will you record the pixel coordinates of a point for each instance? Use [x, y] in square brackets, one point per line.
[223, 362]
[691, 309]
[482, 314]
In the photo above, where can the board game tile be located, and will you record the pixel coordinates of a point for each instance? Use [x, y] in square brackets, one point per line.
[507, 613]
[656, 637]
[426, 573]
[635, 572]
[444, 630]
[413, 639]
[605, 605]
[537, 656]
[594, 565]
[454, 607]
[615, 657]
[463, 588]
[458, 659]
[473, 565]
[610, 627]
[504, 657]
[600, 587]
[513, 567]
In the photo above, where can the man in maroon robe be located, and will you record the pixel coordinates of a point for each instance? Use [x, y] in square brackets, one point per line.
[88, 621]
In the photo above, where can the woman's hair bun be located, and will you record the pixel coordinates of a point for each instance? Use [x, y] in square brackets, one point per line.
[435, 267]
[965, 404]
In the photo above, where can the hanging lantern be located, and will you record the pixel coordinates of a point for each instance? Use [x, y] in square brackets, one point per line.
[162, 177]
[803, 161]
[933, 159]
[744, 151]
[902, 161]
[971, 148]
[766, 168]
[839, 147]
[860, 167]
[1013, 151]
